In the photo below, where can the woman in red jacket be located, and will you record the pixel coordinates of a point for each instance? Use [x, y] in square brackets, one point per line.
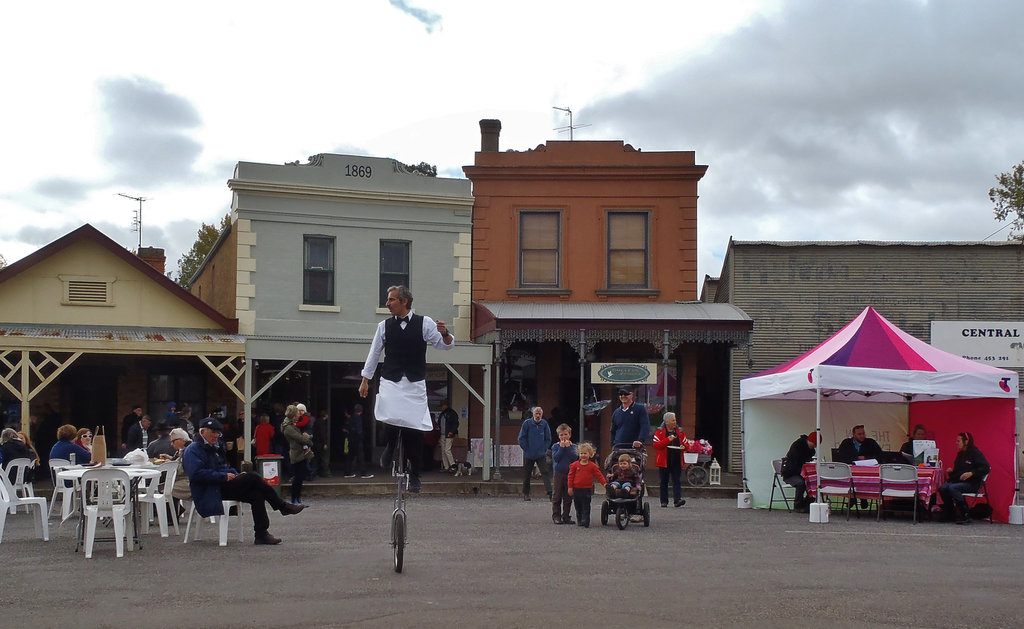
[668, 457]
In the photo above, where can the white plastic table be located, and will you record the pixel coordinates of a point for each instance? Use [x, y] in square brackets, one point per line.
[136, 474]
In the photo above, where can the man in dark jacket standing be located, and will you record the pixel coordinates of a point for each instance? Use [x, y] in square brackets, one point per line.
[448, 425]
[630, 423]
[802, 451]
[212, 480]
[356, 460]
[534, 439]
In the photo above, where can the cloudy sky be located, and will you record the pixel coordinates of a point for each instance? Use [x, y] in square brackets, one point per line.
[819, 120]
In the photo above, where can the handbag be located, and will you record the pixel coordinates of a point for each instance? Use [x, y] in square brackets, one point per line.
[99, 446]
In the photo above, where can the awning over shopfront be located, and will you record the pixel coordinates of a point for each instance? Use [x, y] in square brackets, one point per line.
[33, 356]
[507, 322]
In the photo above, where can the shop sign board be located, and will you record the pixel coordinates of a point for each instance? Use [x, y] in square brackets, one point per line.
[624, 373]
[996, 343]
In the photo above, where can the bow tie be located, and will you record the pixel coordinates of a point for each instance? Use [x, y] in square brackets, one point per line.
[405, 318]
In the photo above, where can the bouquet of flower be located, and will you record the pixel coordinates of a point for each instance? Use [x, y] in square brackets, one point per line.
[700, 446]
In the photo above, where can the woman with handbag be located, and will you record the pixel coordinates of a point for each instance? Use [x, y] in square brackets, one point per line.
[300, 451]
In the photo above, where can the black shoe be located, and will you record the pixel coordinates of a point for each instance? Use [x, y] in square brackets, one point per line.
[664, 504]
[964, 520]
[586, 524]
[679, 503]
[526, 497]
[267, 540]
[568, 521]
[556, 519]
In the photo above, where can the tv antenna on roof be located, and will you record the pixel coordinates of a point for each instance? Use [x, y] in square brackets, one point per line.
[137, 221]
[571, 125]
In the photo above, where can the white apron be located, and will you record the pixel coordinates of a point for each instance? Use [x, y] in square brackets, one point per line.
[403, 404]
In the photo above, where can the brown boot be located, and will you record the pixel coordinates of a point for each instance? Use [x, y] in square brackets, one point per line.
[291, 509]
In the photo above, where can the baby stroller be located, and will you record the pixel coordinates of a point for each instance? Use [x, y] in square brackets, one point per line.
[624, 505]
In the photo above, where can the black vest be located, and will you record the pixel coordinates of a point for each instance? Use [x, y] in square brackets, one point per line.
[405, 352]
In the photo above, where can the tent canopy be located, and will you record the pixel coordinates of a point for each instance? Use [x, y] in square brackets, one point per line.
[871, 360]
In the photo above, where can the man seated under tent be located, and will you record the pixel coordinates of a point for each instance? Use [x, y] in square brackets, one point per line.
[859, 447]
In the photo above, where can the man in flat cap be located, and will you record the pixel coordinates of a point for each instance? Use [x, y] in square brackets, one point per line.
[212, 480]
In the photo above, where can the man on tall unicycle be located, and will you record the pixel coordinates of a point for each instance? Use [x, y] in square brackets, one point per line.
[402, 396]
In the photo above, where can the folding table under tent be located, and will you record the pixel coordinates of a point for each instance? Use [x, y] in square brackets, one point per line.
[894, 381]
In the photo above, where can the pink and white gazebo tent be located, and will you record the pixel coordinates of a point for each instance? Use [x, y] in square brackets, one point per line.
[899, 381]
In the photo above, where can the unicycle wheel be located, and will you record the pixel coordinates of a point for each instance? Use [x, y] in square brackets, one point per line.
[398, 539]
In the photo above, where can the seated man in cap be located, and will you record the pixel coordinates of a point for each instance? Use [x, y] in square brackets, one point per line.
[212, 480]
[800, 452]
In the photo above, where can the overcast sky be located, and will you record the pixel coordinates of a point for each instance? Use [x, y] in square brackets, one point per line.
[819, 120]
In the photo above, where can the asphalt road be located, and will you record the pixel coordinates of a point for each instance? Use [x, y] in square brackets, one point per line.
[500, 562]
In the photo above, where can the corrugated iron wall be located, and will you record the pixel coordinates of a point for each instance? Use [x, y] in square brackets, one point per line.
[798, 294]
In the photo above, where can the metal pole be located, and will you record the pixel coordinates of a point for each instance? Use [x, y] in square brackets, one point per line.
[496, 445]
[664, 358]
[583, 363]
[488, 409]
[247, 456]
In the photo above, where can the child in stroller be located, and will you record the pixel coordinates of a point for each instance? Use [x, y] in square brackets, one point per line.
[624, 495]
[622, 479]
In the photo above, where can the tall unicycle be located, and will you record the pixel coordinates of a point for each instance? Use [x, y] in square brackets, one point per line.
[399, 531]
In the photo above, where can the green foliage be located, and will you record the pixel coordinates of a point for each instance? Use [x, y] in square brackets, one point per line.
[206, 237]
[427, 169]
[1008, 198]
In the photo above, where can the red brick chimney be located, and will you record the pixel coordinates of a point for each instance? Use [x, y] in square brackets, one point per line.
[154, 257]
[489, 132]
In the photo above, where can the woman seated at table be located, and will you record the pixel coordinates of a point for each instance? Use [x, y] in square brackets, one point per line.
[84, 439]
[12, 447]
[969, 469]
[65, 446]
[917, 434]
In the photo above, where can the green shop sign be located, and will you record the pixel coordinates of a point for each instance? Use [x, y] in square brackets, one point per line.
[624, 373]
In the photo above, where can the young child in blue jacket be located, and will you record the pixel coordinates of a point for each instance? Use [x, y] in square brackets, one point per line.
[563, 453]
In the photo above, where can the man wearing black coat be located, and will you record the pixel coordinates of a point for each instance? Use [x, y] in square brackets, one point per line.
[859, 447]
[800, 452]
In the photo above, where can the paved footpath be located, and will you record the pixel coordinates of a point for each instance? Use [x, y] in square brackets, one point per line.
[477, 561]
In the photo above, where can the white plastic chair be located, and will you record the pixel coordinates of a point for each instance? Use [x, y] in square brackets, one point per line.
[64, 490]
[977, 496]
[9, 500]
[106, 493]
[897, 480]
[158, 496]
[222, 521]
[779, 484]
[836, 479]
[20, 467]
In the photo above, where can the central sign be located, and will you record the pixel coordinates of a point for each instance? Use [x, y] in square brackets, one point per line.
[624, 373]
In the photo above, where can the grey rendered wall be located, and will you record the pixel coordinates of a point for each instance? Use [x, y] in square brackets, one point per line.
[283, 203]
